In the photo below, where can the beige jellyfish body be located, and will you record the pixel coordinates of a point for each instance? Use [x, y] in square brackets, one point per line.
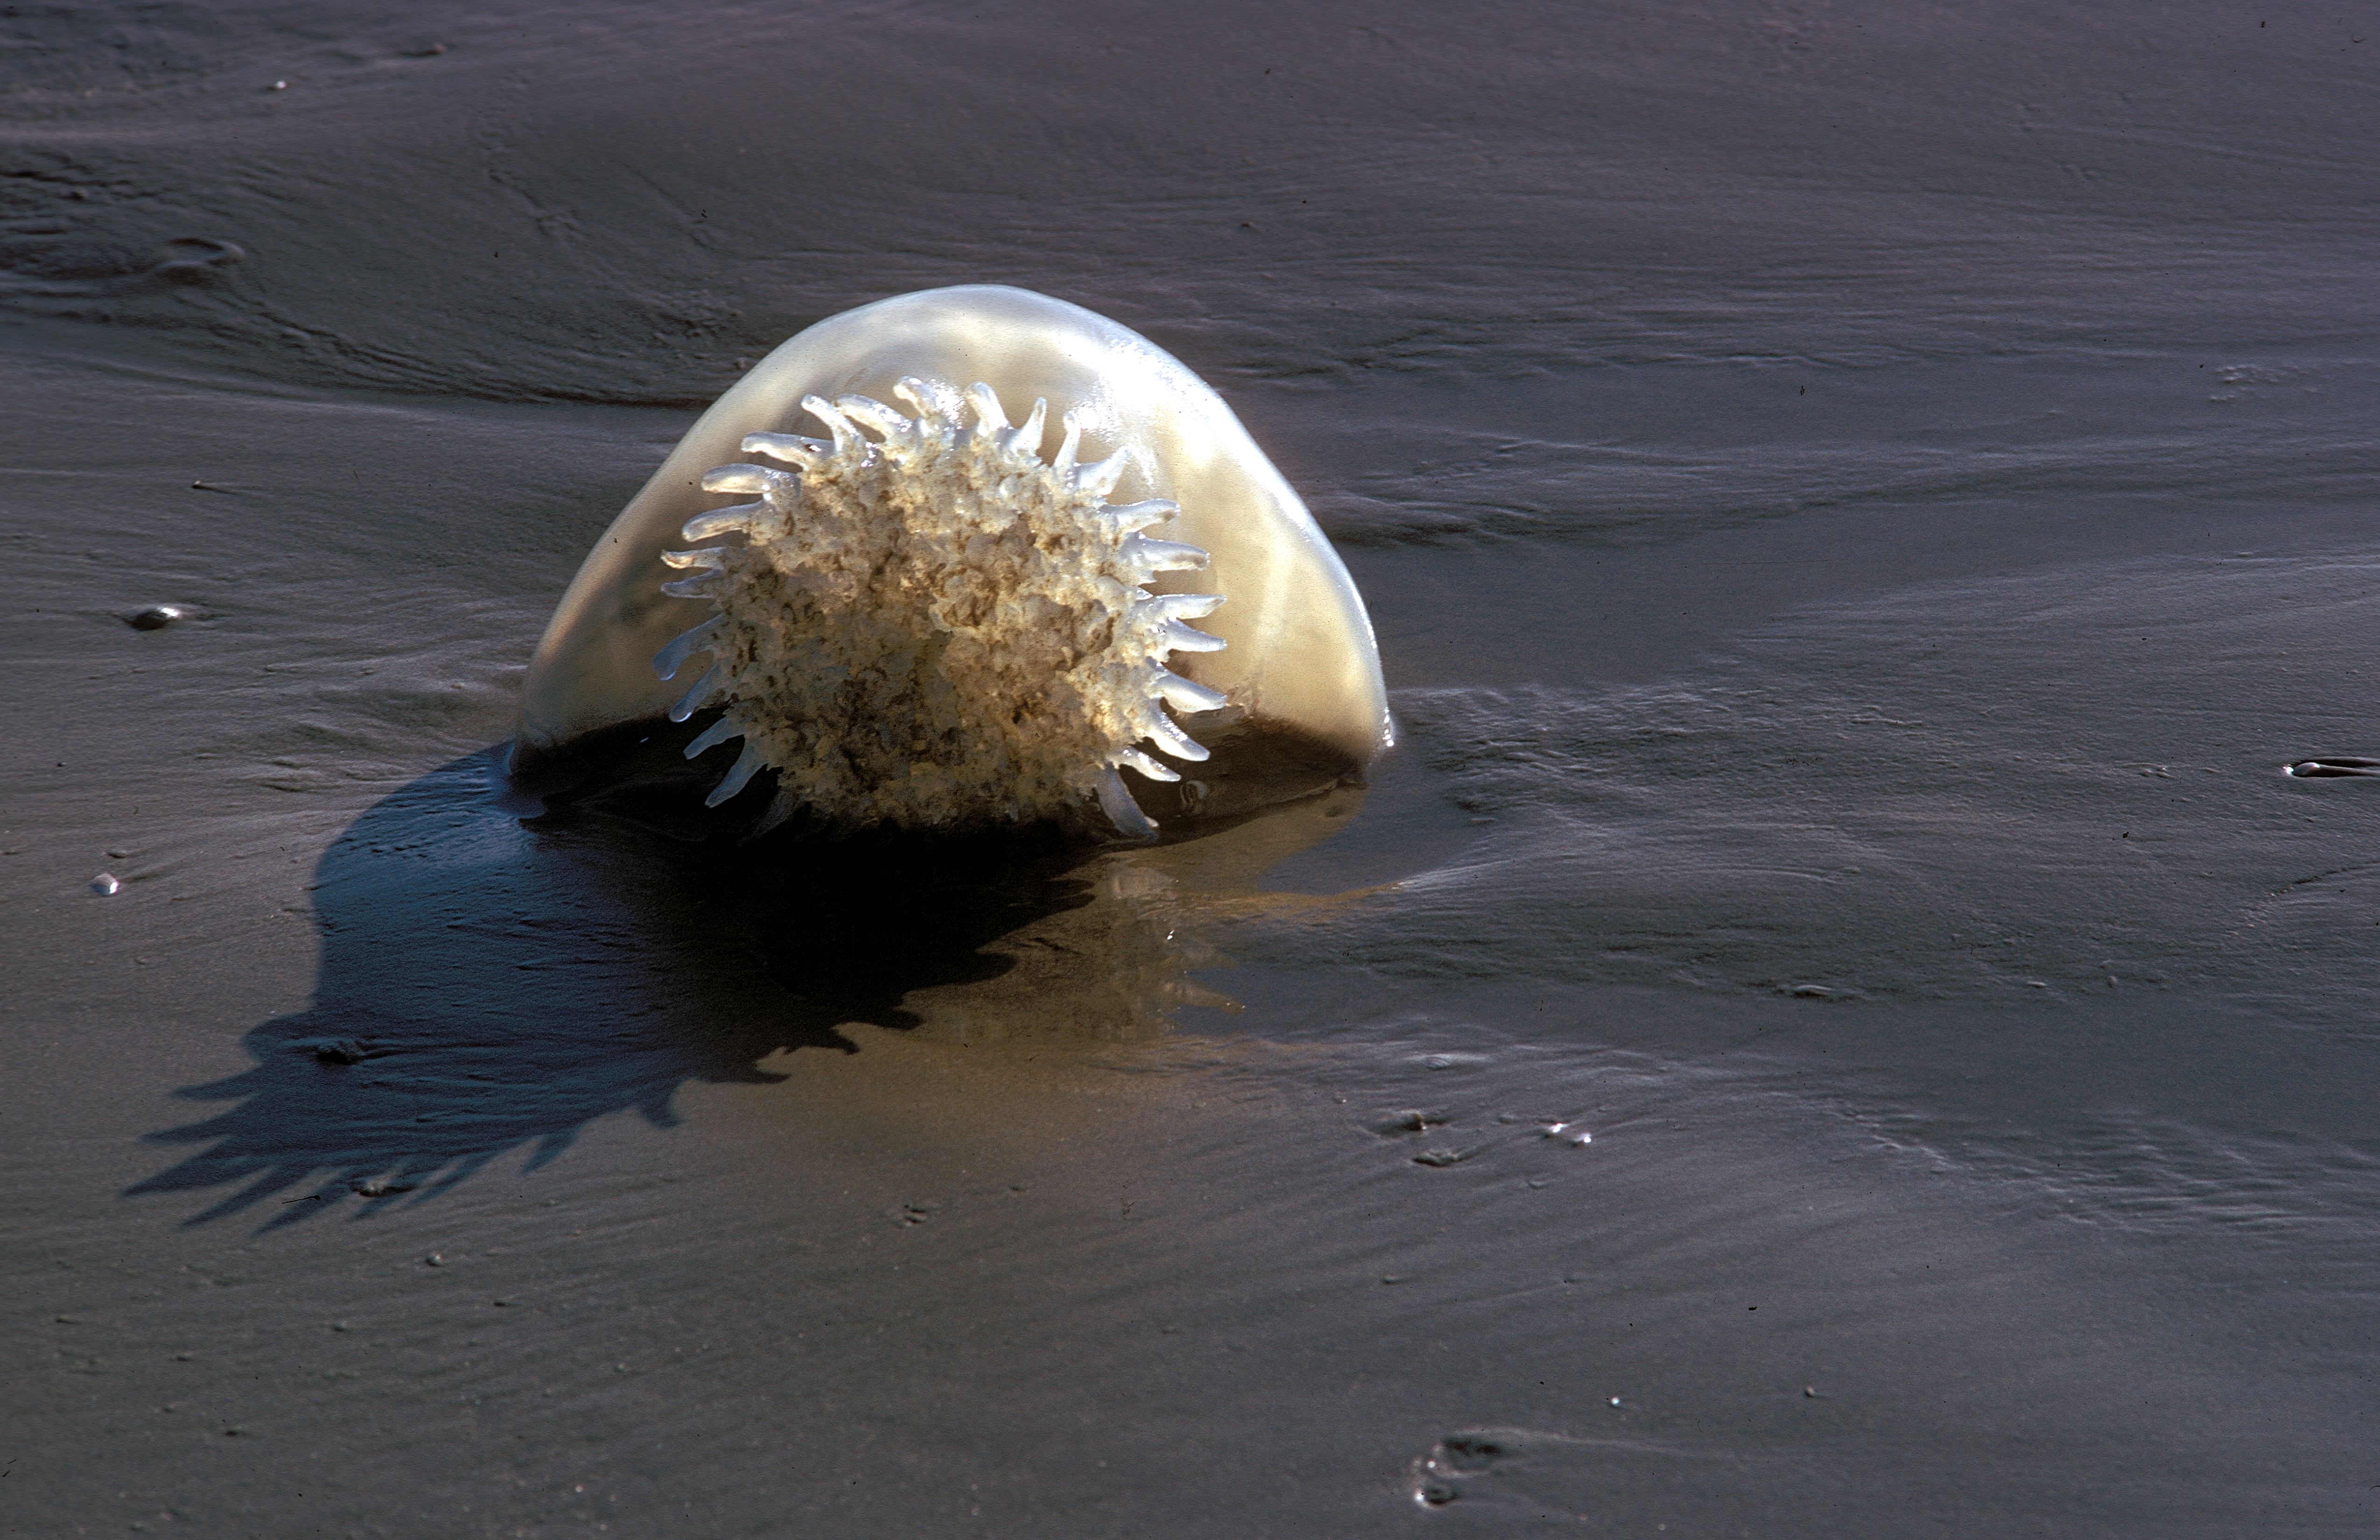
[933, 617]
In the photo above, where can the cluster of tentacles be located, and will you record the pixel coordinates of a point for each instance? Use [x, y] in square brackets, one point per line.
[928, 625]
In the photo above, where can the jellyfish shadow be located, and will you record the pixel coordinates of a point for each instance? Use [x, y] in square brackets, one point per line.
[493, 983]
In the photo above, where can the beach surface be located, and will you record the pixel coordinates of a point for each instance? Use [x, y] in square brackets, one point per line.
[1832, 1022]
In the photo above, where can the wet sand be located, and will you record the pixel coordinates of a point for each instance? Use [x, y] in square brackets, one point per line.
[1858, 509]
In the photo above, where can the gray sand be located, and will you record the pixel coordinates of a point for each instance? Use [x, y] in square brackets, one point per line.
[1859, 505]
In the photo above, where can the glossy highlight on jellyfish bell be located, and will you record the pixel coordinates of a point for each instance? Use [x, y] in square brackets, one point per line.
[935, 618]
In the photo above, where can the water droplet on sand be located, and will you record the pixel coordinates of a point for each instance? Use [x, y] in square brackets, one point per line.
[104, 884]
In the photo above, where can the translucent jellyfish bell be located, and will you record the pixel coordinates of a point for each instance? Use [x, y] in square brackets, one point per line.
[931, 617]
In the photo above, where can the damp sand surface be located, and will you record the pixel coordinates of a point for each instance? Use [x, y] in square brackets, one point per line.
[1830, 1023]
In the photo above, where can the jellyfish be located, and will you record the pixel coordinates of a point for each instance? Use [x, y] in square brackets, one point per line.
[978, 524]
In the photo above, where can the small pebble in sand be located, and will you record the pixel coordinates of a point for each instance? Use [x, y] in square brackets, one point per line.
[156, 617]
[2331, 766]
[104, 884]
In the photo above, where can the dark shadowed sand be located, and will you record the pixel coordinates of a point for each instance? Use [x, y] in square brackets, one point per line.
[1832, 1023]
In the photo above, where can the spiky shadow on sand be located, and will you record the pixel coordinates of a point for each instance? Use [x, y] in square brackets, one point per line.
[489, 985]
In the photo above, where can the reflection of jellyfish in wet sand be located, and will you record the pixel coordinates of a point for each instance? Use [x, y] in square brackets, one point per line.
[932, 619]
